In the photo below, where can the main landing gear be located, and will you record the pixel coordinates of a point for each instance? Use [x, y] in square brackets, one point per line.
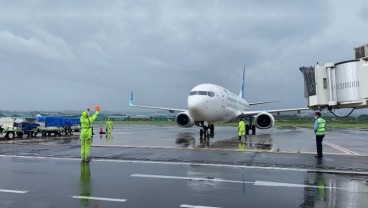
[250, 127]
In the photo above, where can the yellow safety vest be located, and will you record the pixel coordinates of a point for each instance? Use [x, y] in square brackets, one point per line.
[321, 126]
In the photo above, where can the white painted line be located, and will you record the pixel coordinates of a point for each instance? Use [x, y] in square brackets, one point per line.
[256, 183]
[335, 147]
[13, 191]
[291, 185]
[99, 198]
[195, 206]
[187, 178]
[341, 148]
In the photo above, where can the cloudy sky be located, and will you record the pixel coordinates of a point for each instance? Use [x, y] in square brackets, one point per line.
[67, 55]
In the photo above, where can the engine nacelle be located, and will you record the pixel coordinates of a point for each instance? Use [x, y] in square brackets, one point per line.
[183, 119]
[264, 120]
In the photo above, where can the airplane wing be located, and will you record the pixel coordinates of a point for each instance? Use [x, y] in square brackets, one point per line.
[259, 103]
[253, 113]
[171, 110]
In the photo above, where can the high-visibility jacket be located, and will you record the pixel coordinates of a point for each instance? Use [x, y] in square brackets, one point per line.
[109, 124]
[241, 126]
[320, 126]
[87, 124]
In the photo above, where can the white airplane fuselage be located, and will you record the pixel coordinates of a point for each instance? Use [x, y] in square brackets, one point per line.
[213, 103]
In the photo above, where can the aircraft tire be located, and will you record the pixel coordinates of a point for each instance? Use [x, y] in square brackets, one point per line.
[253, 129]
[246, 129]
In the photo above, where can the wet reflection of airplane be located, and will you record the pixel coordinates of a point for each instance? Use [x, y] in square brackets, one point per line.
[209, 104]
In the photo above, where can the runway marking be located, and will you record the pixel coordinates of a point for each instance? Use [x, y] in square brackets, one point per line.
[193, 164]
[13, 191]
[256, 183]
[195, 206]
[186, 178]
[291, 185]
[99, 198]
[340, 148]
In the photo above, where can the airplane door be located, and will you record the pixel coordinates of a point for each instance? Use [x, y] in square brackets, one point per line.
[223, 101]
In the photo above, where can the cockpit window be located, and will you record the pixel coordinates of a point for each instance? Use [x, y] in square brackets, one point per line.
[211, 94]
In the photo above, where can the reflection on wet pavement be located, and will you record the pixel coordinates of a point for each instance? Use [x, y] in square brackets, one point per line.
[329, 190]
[295, 140]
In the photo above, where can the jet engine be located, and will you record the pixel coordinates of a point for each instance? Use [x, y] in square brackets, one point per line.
[264, 120]
[183, 119]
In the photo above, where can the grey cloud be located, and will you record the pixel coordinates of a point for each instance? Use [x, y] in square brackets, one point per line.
[96, 52]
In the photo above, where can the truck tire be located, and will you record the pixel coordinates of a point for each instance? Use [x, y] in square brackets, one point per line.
[20, 134]
[9, 135]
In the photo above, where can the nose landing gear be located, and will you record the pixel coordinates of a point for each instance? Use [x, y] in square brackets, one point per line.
[207, 131]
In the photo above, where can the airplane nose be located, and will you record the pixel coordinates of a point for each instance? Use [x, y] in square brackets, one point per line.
[196, 108]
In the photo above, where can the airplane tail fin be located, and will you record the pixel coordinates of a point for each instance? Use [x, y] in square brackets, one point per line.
[242, 85]
[131, 103]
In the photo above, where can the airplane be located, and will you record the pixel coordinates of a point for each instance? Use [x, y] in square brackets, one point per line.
[210, 103]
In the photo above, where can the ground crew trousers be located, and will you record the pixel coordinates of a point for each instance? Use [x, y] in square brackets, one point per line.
[108, 129]
[319, 139]
[85, 148]
[241, 132]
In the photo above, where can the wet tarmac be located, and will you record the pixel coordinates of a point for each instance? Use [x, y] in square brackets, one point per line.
[296, 140]
[66, 182]
[167, 166]
[283, 140]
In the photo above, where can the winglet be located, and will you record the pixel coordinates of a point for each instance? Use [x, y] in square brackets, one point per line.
[131, 103]
[242, 85]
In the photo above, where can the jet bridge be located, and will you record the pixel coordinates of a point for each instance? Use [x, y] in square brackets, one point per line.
[338, 85]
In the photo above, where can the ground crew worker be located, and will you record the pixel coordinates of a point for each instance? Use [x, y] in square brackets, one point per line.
[241, 129]
[319, 130]
[86, 133]
[108, 126]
